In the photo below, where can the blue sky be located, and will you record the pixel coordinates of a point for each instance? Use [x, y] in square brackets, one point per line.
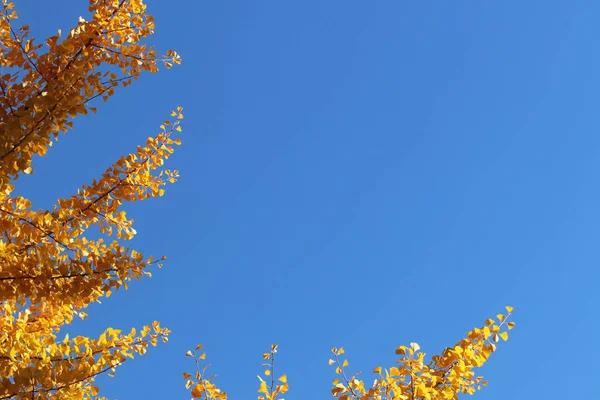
[360, 174]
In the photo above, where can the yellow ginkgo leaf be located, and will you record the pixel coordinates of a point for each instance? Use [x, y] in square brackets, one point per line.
[263, 388]
[197, 390]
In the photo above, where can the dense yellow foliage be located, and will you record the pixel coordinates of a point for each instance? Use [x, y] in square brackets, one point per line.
[50, 272]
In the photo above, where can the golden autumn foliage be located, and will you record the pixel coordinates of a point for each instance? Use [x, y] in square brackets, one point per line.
[444, 377]
[51, 268]
[49, 271]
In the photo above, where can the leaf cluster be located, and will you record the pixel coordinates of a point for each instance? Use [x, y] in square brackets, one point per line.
[443, 377]
[51, 267]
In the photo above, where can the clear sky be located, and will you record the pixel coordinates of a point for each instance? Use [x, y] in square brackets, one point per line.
[360, 174]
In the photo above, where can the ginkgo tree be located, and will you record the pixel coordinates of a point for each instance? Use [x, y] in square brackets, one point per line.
[443, 377]
[49, 270]
[52, 268]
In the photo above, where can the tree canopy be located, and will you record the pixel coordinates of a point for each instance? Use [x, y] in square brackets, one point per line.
[51, 268]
